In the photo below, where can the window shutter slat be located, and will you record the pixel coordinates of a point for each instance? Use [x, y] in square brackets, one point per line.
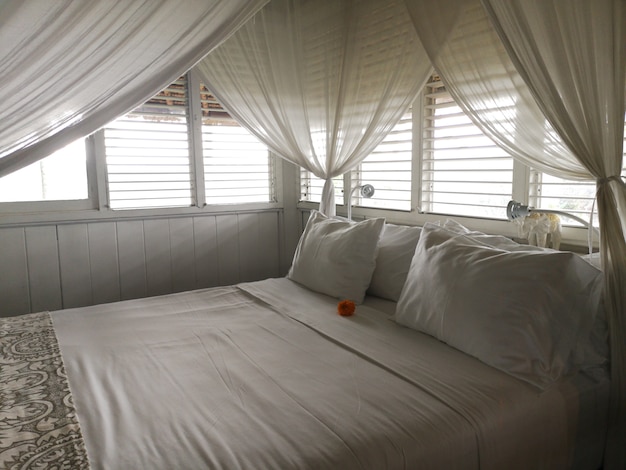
[148, 159]
[388, 169]
[463, 171]
[237, 166]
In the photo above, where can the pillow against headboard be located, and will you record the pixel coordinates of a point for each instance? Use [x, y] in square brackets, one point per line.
[497, 241]
[520, 311]
[336, 257]
[592, 351]
[395, 251]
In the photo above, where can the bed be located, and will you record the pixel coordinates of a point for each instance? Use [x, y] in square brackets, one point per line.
[268, 375]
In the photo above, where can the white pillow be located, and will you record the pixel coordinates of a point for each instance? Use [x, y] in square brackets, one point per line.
[336, 257]
[395, 251]
[497, 241]
[591, 351]
[520, 311]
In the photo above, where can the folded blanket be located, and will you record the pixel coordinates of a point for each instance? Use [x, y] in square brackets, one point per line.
[38, 423]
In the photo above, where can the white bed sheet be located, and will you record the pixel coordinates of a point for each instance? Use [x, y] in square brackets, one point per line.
[267, 375]
[517, 425]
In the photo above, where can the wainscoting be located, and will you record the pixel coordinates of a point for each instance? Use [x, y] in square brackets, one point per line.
[49, 267]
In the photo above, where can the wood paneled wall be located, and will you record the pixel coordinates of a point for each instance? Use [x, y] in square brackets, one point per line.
[49, 267]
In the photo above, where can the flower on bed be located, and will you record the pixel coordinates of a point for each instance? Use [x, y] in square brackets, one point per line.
[345, 308]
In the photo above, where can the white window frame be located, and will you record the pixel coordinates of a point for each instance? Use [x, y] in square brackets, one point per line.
[89, 203]
[172, 141]
[349, 181]
[198, 151]
[521, 187]
[381, 181]
[96, 206]
[475, 175]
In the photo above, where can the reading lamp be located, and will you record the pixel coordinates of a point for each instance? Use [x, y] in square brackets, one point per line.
[366, 190]
[515, 210]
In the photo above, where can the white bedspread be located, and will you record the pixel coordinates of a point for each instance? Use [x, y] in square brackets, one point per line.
[267, 375]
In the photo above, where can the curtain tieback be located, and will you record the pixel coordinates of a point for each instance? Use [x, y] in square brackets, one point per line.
[600, 182]
[608, 179]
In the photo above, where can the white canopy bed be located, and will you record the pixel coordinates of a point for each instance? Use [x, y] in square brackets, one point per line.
[268, 375]
[560, 68]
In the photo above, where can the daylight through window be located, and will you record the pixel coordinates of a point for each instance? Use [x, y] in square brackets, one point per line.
[237, 166]
[147, 153]
[60, 177]
[463, 171]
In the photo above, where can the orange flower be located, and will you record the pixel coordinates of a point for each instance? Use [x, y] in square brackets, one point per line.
[345, 308]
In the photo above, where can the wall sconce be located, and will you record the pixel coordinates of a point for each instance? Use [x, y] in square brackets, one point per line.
[366, 190]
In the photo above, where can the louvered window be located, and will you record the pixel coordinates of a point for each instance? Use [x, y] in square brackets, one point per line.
[147, 153]
[463, 171]
[574, 197]
[311, 187]
[237, 166]
[388, 169]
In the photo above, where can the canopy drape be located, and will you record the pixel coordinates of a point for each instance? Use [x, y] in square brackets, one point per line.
[68, 68]
[573, 58]
[545, 79]
[321, 83]
[478, 72]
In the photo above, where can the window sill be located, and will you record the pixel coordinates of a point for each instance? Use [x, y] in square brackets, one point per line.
[93, 215]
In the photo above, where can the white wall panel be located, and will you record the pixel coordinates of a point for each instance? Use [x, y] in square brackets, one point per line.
[270, 253]
[105, 278]
[43, 268]
[13, 273]
[49, 267]
[205, 243]
[75, 265]
[158, 256]
[258, 250]
[228, 249]
[250, 247]
[182, 254]
[132, 260]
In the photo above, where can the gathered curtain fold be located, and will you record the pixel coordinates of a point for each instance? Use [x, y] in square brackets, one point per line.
[573, 58]
[479, 74]
[321, 83]
[545, 79]
[68, 68]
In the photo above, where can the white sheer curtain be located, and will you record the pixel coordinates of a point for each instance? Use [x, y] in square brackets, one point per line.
[572, 55]
[69, 67]
[479, 74]
[320, 82]
[555, 72]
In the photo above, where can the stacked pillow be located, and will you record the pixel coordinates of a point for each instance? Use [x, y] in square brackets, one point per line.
[532, 312]
[337, 257]
[395, 252]
[526, 311]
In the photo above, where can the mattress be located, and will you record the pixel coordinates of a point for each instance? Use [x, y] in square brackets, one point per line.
[267, 375]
